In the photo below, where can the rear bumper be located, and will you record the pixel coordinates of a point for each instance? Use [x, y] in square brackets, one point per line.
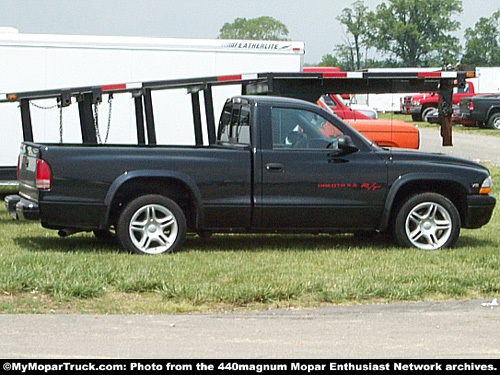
[464, 119]
[479, 210]
[22, 209]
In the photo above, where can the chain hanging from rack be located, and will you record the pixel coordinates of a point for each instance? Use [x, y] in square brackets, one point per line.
[96, 120]
[58, 104]
[60, 124]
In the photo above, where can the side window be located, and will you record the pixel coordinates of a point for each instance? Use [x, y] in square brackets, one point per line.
[302, 129]
[234, 125]
[465, 89]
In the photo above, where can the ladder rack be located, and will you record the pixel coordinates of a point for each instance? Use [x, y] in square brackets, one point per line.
[306, 86]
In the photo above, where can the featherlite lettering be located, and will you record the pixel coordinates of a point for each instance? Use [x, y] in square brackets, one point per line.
[250, 45]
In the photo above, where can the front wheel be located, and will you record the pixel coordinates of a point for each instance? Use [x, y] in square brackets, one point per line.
[426, 112]
[151, 224]
[427, 221]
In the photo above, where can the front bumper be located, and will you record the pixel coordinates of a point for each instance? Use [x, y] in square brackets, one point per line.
[22, 209]
[415, 110]
[479, 210]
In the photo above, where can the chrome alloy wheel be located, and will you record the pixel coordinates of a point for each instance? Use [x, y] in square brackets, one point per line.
[496, 123]
[153, 229]
[428, 226]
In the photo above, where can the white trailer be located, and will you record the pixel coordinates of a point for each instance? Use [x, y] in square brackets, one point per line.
[37, 62]
[488, 80]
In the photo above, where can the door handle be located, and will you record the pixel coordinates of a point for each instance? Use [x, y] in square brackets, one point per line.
[274, 167]
[336, 158]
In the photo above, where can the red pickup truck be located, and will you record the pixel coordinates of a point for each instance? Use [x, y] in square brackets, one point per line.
[421, 105]
[341, 109]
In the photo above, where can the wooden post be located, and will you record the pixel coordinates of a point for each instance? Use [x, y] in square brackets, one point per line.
[446, 110]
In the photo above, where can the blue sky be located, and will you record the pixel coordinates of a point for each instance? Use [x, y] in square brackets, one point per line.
[312, 21]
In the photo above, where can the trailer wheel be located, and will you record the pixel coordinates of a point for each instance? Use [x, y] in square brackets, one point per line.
[494, 121]
[151, 224]
[427, 221]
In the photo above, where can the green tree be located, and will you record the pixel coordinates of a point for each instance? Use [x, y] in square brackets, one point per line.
[260, 28]
[482, 43]
[417, 32]
[329, 60]
[355, 21]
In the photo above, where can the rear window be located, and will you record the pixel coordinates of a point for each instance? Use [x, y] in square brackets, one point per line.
[234, 125]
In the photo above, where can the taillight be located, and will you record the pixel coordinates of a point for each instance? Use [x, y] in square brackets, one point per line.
[43, 175]
[471, 106]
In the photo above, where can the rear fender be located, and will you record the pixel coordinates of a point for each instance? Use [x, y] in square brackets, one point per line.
[493, 109]
[154, 174]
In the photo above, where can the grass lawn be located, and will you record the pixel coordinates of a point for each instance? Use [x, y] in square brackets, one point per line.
[42, 273]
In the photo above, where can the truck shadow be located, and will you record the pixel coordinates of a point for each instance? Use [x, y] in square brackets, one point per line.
[236, 242]
[67, 245]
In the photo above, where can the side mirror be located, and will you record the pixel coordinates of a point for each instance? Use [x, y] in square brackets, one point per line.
[346, 144]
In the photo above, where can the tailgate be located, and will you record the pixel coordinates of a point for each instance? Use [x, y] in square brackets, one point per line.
[464, 106]
[27, 170]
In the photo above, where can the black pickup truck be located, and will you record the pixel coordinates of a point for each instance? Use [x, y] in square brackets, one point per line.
[481, 110]
[277, 165]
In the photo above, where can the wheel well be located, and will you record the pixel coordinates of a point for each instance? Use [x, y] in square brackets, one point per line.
[429, 105]
[492, 112]
[171, 188]
[450, 189]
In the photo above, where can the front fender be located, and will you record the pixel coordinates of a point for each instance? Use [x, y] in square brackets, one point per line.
[424, 179]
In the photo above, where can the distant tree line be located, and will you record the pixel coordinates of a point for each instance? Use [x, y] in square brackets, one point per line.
[414, 33]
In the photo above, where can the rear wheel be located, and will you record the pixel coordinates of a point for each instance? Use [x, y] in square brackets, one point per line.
[151, 224]
[427, 221]
[494, 121]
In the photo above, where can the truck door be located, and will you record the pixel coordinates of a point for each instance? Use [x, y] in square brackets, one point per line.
[309, 183]
[228, 180]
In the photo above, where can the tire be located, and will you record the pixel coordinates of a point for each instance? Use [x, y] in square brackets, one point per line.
[427, 221]
[494, 121]
[426, 112]
[151, 224]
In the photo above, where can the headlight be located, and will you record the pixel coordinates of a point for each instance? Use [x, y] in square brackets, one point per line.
[486, 186]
